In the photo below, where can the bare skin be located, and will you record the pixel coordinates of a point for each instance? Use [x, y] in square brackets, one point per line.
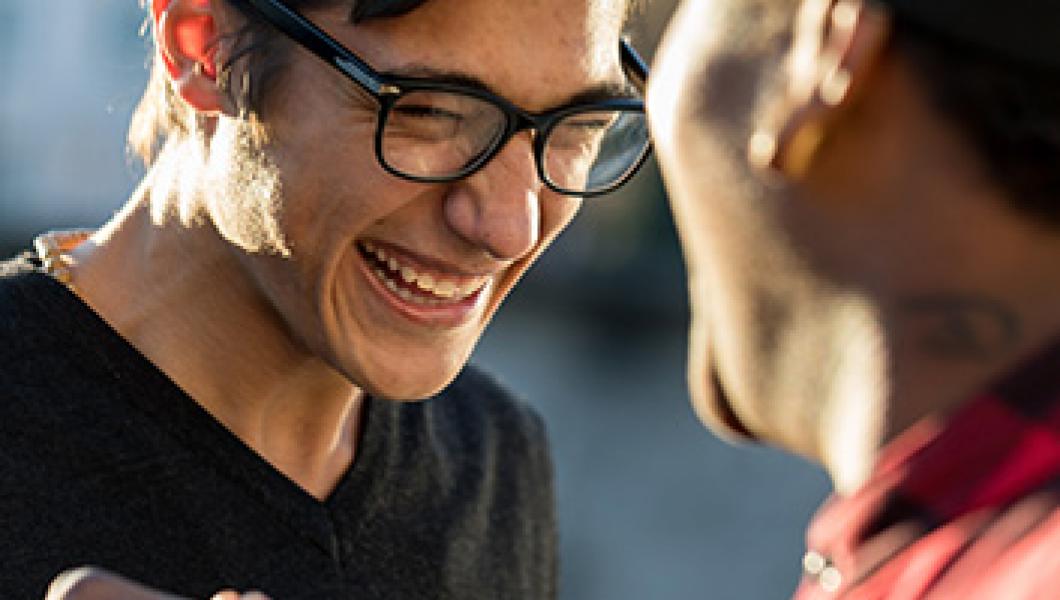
[237, 273]
[97, 584]
[241, 265]
[852, 267]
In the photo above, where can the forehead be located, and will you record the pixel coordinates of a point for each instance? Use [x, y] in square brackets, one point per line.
[720, 63]
[534, 52]
[703, 97]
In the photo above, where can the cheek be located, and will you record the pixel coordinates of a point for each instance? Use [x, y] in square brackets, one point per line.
[324, 151]
[696, 189]
[556, 214]
[332, 192]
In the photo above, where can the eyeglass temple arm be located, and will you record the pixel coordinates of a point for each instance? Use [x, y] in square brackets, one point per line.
[314, 39]
[636, 68]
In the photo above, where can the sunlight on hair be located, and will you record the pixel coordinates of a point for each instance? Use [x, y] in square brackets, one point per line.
[163, 191]
[243, 190]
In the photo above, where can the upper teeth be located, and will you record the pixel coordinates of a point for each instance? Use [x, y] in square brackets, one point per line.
[442, 288]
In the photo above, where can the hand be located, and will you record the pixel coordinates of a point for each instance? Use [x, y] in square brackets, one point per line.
[233, 595]
[90, 583]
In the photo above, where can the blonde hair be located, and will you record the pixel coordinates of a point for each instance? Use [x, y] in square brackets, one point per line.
[162, 114]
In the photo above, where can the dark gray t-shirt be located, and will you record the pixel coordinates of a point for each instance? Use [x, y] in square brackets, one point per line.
[104, 461]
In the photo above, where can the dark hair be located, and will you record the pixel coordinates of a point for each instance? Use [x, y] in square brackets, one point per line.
[162, 114]
[1009, 112]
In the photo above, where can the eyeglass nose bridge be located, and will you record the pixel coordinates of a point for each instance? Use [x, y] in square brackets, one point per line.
[538, 126]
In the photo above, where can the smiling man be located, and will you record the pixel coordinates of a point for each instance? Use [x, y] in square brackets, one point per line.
[869, 203]
[207, 391]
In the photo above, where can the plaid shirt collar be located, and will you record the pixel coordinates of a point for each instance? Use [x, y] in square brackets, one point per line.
[1001, 446]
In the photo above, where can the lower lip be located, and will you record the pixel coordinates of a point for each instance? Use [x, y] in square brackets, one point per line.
[450, 314]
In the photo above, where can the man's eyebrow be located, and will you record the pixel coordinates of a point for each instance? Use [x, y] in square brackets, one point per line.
[604, 91]
[595, 93]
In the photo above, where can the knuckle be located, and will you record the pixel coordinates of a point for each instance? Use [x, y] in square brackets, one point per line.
[76, 583]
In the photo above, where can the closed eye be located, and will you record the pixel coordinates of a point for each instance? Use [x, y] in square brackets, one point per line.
[426, 112]
[588, 124]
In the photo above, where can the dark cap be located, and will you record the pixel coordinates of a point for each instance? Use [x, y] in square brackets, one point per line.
[1022, 30]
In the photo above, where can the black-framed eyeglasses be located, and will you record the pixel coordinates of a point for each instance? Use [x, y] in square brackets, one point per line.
[437, 131]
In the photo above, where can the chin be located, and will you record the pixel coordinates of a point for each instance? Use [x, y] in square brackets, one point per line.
[405, 389]
[711, 403]
[407, 378]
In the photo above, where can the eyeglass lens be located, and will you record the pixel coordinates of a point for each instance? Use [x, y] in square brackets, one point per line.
[434, 134]
[593, 150]
[439, 134]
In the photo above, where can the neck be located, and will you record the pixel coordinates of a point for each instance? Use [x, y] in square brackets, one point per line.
[179, 295]
[950, 342]
[947, 334]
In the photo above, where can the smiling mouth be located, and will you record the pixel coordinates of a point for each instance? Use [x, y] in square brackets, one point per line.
[414, 284]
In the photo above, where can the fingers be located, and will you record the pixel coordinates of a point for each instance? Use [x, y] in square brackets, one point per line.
[91, 583]
[234, 595]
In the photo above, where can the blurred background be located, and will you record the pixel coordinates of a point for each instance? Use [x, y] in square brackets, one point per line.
[652, 506]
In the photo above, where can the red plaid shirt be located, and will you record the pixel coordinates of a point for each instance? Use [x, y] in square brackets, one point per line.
[969, 510]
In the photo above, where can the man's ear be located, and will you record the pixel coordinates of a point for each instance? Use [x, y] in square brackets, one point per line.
[836, 45]
[186, 37]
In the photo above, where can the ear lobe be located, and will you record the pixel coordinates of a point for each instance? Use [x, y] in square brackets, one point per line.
[831, 61]
[186, 36]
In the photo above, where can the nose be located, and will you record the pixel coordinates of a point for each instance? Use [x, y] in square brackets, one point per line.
[498, 208]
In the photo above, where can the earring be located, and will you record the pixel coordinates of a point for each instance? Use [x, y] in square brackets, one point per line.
[762, 150]
[835, 86]
[788, 152]
[793, 160]
[801, 150]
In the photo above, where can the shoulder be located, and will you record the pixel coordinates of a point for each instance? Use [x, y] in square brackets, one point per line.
[475, 424]
[476, 397]
[14, 266]
[475, 441]
[26, 297]
[466, 476]
[23, 286]
[16, 279]
[46, 333]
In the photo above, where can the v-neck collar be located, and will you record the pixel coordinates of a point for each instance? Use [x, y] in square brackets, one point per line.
[144, 386]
